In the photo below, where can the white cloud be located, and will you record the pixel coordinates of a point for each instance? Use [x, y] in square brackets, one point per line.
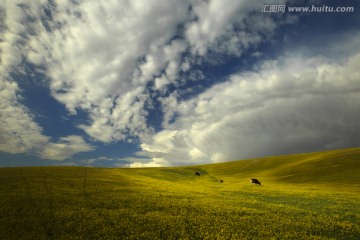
[216, 20]
[19, 133]
[156, 162]
[285, 106]
[65, 148]
[101, 58]
[94, 64]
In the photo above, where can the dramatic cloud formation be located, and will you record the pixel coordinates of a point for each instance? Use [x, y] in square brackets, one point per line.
[19, 133]
[284, 106]
[185, 81]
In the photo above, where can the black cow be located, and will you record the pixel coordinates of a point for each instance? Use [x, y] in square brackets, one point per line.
[197, 174]
[255, 181]
[221, 181]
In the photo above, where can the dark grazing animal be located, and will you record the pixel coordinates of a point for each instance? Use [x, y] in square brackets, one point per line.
[221, 181]
[197, 174]
[255, 181]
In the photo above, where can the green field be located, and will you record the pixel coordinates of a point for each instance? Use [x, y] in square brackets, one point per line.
[303, 196]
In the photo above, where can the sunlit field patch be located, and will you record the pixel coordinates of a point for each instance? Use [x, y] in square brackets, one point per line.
[172, 203]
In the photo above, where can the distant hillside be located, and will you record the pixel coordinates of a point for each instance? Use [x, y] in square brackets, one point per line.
[337, 166]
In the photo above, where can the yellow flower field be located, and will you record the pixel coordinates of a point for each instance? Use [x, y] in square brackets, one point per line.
[304, 196]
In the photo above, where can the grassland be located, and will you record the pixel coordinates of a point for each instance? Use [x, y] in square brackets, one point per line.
[304, 196]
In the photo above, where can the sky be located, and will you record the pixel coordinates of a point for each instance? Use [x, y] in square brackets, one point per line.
[157, 83]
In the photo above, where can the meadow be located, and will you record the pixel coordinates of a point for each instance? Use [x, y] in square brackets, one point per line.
[302, 196]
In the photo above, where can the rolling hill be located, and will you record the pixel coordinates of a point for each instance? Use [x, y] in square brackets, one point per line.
[302, 196]
[330, 167]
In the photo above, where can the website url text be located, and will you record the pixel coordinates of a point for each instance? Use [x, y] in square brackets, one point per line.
[313, 9]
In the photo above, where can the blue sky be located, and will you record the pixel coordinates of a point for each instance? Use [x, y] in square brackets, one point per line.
[169, 83]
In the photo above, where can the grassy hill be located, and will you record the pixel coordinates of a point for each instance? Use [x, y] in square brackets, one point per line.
[303, 196]
[332, 167]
